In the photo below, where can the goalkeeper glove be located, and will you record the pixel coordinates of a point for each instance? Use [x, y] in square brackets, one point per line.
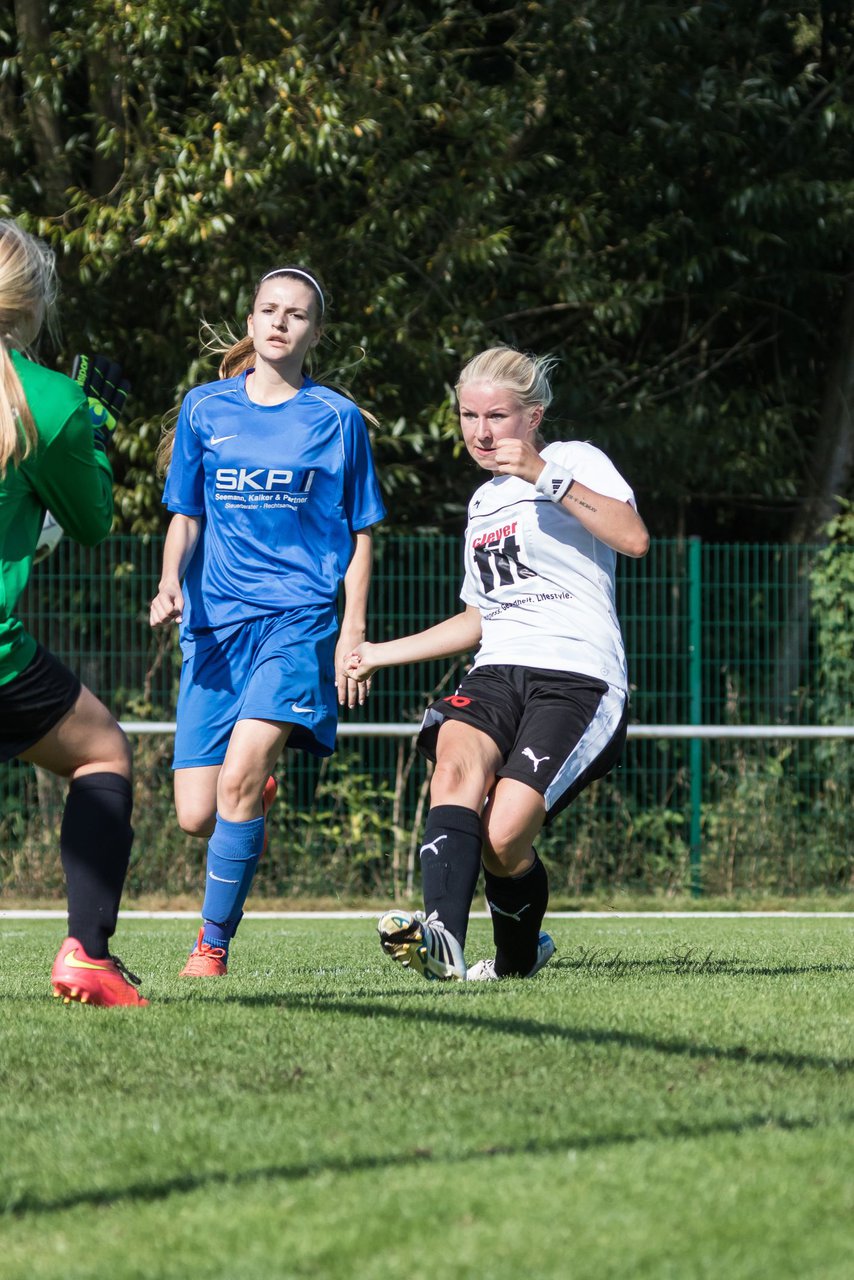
[104, 386]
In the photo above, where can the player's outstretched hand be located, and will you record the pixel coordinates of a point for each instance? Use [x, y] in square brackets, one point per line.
[358, 665]
[106, 388]
[351, 692]
[167, 606]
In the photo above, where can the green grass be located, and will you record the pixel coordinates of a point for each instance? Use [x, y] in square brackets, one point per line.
[667, 1099]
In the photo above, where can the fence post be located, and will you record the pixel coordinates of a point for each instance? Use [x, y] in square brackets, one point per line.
[695, 683]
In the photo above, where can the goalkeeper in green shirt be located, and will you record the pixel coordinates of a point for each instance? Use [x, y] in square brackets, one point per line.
[53, 432]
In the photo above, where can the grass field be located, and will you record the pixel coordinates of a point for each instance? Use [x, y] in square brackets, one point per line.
[668, 1098]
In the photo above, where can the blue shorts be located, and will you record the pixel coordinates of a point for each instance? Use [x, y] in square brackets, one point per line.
[279, 668]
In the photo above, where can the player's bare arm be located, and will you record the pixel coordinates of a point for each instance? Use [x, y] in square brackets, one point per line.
[181, 538]
[610, 520]
[454, 635]
[357, 581]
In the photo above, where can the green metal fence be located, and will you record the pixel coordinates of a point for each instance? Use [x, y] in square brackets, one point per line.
[717, 635]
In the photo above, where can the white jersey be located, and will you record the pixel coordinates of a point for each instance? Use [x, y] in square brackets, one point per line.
[544, 585]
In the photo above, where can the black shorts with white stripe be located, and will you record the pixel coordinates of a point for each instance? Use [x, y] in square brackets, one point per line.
[557, 731]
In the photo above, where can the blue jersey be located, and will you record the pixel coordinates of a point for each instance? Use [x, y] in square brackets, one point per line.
[280, 491]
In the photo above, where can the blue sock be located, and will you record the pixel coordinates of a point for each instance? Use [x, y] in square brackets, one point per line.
[233, 853]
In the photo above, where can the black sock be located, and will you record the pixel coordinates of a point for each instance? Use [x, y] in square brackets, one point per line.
[95, 842]
[450, 865]
[518, 904]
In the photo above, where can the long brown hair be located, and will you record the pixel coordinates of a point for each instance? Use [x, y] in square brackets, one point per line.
[236, 355]
[27, 296]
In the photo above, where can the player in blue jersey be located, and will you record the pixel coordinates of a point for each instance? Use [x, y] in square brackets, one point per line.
[543, 711]
[273, 492]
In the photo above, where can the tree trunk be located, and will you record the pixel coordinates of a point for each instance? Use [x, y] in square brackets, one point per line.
[834, 449]
[33, 26]
[827, 482]
[105, 89]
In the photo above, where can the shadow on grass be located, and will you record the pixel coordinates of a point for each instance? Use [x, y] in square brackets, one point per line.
[379, 1004]
[318, 1003]
[187, 1184]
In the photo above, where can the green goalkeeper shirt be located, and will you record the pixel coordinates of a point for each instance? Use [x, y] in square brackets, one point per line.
[65, 474]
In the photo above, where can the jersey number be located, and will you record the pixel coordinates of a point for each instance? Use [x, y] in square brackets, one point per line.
[501, 566]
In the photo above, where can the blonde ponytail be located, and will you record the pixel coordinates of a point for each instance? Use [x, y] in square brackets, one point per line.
[27, 295]
[18, 435]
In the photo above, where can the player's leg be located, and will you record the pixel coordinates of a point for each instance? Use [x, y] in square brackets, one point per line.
[268, 795]
[87, 746]
[247, 692]
[450, 854]
[195, 799]
[433, 942]
[215, 668]
[237, 839]
[516, 882]
[571, 732]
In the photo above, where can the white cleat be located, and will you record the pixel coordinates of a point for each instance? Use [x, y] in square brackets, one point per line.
[484, 970]
[424, 945]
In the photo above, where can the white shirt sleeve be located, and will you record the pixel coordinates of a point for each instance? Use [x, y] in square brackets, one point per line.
[590, 467]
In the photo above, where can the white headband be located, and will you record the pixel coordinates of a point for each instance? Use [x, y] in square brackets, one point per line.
[298, 271]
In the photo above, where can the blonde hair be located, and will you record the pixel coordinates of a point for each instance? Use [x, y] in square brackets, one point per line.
[527, 376]
[27, 297]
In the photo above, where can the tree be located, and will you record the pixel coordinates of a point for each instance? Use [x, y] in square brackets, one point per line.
[659, 193]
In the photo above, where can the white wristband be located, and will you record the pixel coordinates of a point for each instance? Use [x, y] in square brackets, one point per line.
[553, 481]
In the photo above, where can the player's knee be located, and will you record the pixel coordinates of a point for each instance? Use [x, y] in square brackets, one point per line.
[503, 850]
[195, 820]
[237, 790]
[510, 861]
[507, 846]
[110, 752]
[450, 779]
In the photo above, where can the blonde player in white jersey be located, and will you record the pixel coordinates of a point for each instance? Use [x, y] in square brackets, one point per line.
[543, 710]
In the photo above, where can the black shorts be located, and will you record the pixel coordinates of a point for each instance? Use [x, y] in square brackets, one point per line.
[33, 702]
[556, 731]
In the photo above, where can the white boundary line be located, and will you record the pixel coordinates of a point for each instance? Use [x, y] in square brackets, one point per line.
[476, 915]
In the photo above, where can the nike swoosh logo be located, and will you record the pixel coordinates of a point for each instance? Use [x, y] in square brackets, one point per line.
[221, 879]
[73, 963]
[219, 439]
[301, 711]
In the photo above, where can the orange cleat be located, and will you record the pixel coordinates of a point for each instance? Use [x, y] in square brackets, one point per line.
[205, 961]
[269, 795]
[76, 976]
